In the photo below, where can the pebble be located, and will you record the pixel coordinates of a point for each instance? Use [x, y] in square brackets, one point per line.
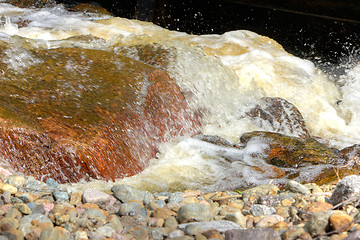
[296, 187]
[347, 188]
[261, 210]
[38, 211]
[92, 195]
[194, 212]
[251, 234]
[341, 221]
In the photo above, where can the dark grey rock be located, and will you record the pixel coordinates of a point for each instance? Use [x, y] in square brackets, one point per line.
[296, 187]
[252, 234]
[347, 188]
[261, 210]
[194, 212]
[318, 223]
[221, 226]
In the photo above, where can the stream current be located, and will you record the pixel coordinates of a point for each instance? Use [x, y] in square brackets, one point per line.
[227, 75]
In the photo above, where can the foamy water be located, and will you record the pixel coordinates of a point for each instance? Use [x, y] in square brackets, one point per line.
[228, 74]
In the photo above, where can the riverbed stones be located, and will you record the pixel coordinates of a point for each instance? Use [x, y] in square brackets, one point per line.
[346, 189]
[261, 210]
[251, 234]
[92, 195]
[194, 212]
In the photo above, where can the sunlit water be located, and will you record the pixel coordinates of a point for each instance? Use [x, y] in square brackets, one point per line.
[227, 74]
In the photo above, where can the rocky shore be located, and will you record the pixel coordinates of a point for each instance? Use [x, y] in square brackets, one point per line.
[31, 209]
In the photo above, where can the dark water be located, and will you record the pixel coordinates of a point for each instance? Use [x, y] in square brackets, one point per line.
[328, 42]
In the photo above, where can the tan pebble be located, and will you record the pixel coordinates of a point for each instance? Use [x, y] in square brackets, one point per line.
[5, 187]
[357, 227]
[212, 234]
[8, 223]
[269, 221]
[17, 233]
[89, 205]
[237, 204]
[42, 201]
[228, 209]
[16, 180]
[317, 207]
[200, 237]
[208, 196]
[160, 222]
[219, 217]
[23, 208]
[339, 236]
[163, 213]
[205, 203]
[282, 211]
[341, 221]
[192, 193]
[189, 200]
[76, 198]
[287, 202]
[280, 225]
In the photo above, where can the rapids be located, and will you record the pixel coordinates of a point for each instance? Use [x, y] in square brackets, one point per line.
[225, 74]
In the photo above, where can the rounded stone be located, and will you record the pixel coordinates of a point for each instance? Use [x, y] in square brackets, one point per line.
[296, 187]
[163, 213]
[237, 217]
[171, 222]
[261, 210]
[92, 195]
[26, 225]
[341, 221]
[157, 233]
[52, 183]
[105, 231]
[269, 221]
[60, 195]
[16, 180]
[194, 212]
[54, 233]
[5, 187]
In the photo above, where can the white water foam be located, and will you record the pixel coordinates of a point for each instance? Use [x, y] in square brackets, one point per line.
[227, 74]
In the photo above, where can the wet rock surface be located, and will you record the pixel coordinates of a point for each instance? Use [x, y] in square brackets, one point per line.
[71, 109]
[197, 215]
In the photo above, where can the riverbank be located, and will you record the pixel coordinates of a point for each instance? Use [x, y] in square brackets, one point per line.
[31, 209]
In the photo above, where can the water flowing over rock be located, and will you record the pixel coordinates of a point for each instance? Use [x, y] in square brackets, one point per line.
[282, 116]
[74, 113]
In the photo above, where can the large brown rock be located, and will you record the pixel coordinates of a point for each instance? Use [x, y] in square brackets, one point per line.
[75, 113]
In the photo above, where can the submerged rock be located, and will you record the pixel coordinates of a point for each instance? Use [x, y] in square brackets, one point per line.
[281, 115]
[71, 113]
[286, 151]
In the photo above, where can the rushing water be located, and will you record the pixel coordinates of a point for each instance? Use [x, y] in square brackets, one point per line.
[227, 75]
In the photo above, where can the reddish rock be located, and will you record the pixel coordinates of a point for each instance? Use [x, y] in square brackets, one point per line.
[80, 113]
[341, 221]
[317, 207]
